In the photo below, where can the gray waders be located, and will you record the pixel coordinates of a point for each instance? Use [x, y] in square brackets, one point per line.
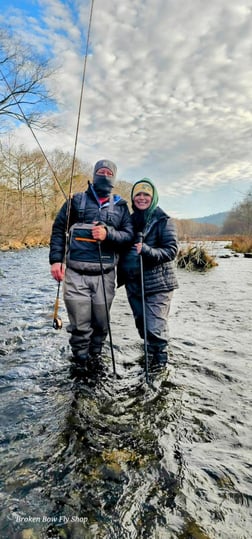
[85, 304]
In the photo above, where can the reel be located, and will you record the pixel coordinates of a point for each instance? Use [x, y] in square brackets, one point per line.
[57, 323]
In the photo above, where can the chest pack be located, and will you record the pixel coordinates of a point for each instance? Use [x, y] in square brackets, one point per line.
[83, 252]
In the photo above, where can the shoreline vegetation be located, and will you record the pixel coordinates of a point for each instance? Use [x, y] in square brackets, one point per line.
[28, 209]
[18, 245]
[193, 256]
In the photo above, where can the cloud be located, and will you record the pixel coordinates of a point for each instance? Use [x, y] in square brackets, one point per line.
[167, 90]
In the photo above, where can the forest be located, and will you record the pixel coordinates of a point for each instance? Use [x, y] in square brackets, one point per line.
[31, 194]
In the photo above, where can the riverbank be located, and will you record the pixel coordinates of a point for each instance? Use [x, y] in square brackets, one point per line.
[237, 244]
[18, 245]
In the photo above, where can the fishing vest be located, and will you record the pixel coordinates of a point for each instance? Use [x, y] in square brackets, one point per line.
[85, 254]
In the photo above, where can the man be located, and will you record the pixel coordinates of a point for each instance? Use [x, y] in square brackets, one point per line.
[98, 224]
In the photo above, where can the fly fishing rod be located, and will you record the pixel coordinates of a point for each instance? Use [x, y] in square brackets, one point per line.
[57, 322]
[140, 240]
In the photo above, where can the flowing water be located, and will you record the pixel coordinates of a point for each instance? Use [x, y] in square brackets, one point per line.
[100, 456]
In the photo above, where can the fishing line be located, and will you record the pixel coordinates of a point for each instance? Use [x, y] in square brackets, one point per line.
[57, 324]
[34, 135]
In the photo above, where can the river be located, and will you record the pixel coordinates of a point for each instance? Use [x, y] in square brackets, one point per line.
[111, 457]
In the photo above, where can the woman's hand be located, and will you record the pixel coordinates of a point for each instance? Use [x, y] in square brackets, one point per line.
[138, 247]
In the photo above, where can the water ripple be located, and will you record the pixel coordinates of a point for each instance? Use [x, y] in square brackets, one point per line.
[104, 456]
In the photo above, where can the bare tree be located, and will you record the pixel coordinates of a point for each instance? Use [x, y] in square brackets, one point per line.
[124, 189]
[23, 92]
[29, 195]
[17, 170]
[61, 163]
[239, 219]
[187, 229]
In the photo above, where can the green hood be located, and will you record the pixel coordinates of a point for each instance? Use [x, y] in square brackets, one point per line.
[154, 201]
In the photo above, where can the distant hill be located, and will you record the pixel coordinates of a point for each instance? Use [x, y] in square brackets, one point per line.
[214, 219]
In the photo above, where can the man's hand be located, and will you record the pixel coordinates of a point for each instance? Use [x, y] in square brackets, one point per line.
[99, 232]
[58, 271]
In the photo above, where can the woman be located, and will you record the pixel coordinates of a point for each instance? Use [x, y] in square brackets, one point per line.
[156, 241]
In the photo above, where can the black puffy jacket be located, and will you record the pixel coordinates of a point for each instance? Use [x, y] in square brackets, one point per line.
[160, 247]
[118, 223]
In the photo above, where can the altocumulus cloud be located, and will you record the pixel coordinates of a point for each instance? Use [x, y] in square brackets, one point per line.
[168, 86]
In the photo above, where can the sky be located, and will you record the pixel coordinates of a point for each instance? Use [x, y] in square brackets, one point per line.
[167, 92]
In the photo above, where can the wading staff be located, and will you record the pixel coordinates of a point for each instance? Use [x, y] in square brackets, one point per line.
[106, 307]
[57, 322]
[140, 240]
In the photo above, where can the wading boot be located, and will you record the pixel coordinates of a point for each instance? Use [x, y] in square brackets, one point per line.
[161, 358]
[81, 358]
[95, 353]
